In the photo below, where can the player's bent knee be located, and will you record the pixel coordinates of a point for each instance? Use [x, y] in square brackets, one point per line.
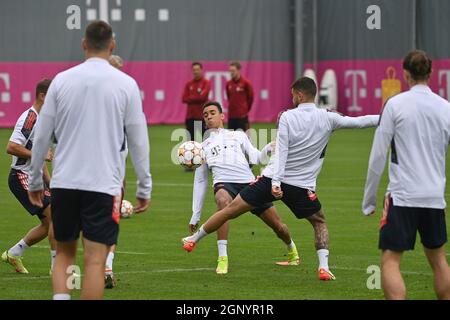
[237, 207]
[222, 203]
[45, 223]
[230, 214]
[317, 218]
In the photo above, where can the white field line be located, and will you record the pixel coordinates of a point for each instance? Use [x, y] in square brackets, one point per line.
[81, 249]
[361, 269]
[119, 273]
[190, 185]
[201, 269]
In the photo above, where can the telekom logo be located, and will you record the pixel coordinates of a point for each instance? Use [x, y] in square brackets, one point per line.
[5, 96]
[353, 90]
[218, 81]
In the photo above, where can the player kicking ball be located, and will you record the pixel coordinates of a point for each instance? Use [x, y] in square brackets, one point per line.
[19, 146]
[302, 138]
[226, 155]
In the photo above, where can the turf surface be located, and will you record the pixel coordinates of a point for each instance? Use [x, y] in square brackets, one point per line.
[150, 263]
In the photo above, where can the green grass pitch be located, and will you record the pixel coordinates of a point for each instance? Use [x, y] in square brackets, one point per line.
[151, 264]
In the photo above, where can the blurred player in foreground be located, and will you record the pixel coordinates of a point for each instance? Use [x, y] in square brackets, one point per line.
[90, 111]
[416, 125]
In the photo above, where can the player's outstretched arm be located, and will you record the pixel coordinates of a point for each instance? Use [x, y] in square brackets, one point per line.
[342, 122]
[198, 195]
[377, 161]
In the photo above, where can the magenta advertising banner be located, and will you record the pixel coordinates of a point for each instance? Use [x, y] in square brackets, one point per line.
[161, 85]
[361, 82]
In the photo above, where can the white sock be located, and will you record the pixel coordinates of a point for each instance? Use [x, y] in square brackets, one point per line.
[19, 248]
[198, 235]
[61, 296]
[323, 258]
[53, 255]
[109, 261]
[222, 245]
[291, 245]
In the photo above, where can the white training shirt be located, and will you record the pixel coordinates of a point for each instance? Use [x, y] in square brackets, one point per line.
[23, 134]
[302, 138]
[416, 124]
[228, 154]
[88, 109]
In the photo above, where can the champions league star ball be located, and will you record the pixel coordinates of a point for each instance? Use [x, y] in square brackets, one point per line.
[191, 155]
[126, 210]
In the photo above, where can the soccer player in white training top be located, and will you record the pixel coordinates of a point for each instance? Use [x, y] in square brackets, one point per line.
[19, 146]
[416, 125]
[90, 111]
[302, 138]
[228, 154]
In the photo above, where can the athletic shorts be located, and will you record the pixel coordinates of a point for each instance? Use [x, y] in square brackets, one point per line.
[238, 123]
[302, 202]
[233, 190]
[18, 184]
[399, 226]
[95, 214]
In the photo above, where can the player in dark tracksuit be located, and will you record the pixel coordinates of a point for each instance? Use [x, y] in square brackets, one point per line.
[240, 98]
[195, 94]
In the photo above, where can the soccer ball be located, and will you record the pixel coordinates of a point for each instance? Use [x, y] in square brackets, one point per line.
[191, 154]
[126, 210]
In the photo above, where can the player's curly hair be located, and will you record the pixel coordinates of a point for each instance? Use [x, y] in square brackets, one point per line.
[418, 64]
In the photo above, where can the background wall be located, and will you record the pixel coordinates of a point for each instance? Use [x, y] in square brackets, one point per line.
[160, 38]
[336, 36]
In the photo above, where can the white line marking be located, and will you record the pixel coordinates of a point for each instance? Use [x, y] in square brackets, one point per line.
[118, 273]
[81, 249]
[361, 269]
[166, 270]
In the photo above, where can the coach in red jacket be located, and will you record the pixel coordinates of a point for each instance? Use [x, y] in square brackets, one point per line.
[240, 98]
[195, 94]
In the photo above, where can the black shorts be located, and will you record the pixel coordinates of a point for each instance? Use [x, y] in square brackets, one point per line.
[399, 226]
[238, 123]
[302, 202]
[95, 214]
[233, 190]
[18, 184]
